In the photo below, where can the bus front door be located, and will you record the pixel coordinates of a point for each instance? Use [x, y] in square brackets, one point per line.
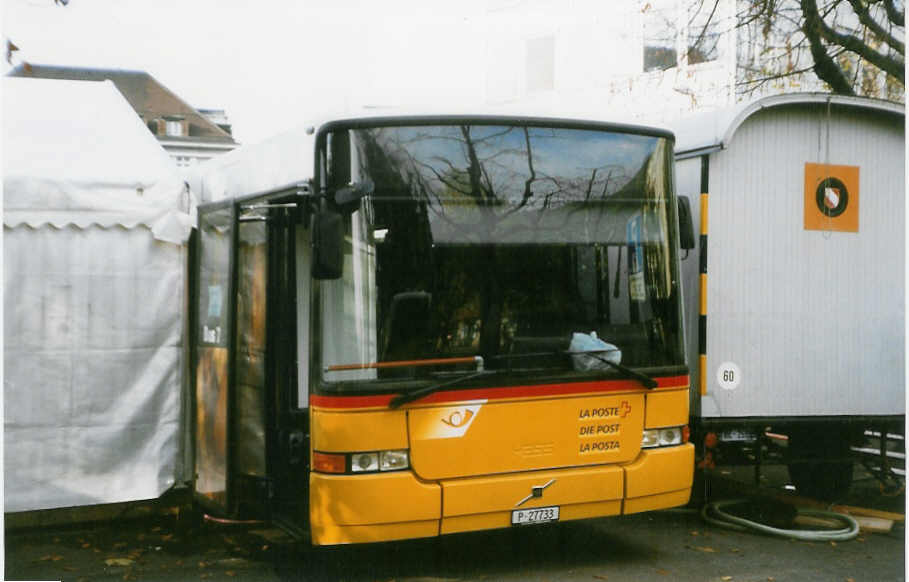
[251, 435]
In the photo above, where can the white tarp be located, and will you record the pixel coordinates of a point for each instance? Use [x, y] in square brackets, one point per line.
[94, 278]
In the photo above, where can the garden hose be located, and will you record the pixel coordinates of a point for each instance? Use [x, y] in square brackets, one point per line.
[713, 514]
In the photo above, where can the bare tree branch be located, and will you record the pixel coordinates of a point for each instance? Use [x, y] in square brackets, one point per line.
[700, 38]
[895, 15]
[892, 66]
[824, 65]
[533, 175]
[853, 45]
[863, 12]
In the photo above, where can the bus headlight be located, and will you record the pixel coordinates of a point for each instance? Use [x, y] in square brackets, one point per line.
[393, 460]
[364, 462]
[663, 437]
[650, 439]
[670, 436]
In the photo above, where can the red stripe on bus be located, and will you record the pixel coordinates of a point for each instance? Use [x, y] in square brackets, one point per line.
[509, 392]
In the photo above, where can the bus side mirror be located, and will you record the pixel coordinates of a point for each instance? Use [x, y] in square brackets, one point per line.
[327, 239]
[686, 225]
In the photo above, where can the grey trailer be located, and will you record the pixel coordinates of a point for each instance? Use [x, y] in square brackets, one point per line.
[795, 290]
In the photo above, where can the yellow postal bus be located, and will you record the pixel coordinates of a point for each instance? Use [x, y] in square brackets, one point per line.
[438, 325]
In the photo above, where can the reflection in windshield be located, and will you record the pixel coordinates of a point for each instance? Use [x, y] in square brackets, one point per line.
[497, 240]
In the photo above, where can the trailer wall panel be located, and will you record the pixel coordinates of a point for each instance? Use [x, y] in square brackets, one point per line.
[812, 319]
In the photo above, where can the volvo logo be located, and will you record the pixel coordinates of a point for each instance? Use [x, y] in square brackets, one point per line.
[535, 491]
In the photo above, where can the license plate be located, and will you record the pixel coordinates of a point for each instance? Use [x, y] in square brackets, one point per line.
[737, 436]
[535, 515]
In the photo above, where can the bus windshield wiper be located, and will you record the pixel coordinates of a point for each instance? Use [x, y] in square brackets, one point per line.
[644, 379]
[406, 397]
[427, 390]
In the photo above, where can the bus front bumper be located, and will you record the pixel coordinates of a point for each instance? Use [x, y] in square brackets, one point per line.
[392, 506]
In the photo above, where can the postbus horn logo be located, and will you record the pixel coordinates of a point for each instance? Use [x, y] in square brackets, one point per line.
[457, 419]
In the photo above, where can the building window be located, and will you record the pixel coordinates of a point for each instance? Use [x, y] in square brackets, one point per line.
[673, 25]
[541, 64]
[185, 161]
[660, 34]
[703, 32]
[174, 127]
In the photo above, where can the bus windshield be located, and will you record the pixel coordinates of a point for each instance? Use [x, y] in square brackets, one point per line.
[494, 245]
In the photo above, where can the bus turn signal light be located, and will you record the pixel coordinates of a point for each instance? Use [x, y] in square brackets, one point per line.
[329, 463]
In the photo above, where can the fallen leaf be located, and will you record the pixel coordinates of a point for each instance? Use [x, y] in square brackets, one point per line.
[156, 528]
[726, 578]
[167, 538]
[662, 572]
[706, 549]
[86, 545]
[119, 562]
[601, 577]
[231, 573]
[833, 544]
[694, 533]
[119, 545]
[735, 550]
[56, 558]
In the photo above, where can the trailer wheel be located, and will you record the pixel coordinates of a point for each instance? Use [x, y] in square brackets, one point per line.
[819, 465]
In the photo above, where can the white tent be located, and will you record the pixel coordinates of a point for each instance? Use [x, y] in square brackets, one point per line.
[95, 227]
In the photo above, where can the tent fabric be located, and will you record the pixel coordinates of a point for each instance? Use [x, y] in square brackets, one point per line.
[78, 147]
[92, 359]
[93, 295]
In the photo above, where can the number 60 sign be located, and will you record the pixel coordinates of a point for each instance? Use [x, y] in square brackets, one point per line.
[728, 376]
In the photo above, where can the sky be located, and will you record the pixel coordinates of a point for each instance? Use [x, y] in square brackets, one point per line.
[270, 64]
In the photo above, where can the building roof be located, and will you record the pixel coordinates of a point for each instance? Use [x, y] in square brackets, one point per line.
[150, 99]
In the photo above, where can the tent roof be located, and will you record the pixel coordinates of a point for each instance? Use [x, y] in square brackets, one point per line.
[76, 153]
